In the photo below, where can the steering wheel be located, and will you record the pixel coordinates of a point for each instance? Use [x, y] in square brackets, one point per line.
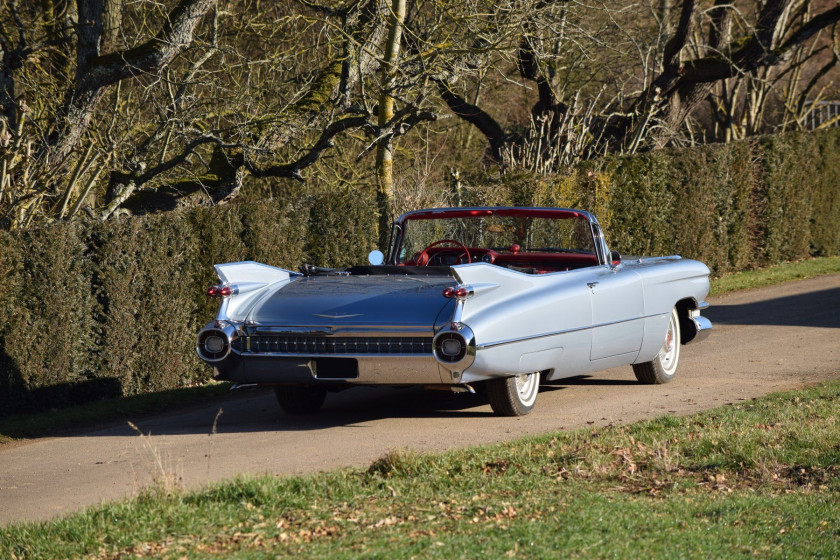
[423, 258]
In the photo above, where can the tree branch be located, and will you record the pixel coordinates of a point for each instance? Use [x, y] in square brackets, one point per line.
[816, 24]
[671, 52]
[751, 55]
[176, 35]
[474, 115]
[95, 73]
[312, 155]
[768, 21]
[720, 30]
[806, 91]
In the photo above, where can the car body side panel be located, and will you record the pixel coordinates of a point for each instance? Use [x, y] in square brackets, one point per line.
[527, 322]
[563, 355]
[558, 322]
[617, 312]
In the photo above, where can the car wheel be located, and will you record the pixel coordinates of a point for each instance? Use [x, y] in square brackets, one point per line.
[664, 366]
[300, 400]
[514, 396]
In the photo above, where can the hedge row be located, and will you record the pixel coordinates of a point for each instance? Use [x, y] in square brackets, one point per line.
[733, 206]
[112, 309]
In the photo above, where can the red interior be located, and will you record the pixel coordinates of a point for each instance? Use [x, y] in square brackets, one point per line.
[541, 262]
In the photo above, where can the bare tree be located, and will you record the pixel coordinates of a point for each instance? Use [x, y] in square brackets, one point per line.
[186, 114]
[650, 106]
[777, 97]
[37, 148]
[769, 41]
[109, 106]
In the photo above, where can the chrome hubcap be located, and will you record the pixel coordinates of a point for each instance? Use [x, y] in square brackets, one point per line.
[669, 353]
[527, 387]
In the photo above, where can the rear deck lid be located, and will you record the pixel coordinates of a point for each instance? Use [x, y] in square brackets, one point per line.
[389, 301]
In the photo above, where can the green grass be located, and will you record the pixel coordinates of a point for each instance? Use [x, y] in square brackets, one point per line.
[775, 275]
[21, 426]
[755, 479]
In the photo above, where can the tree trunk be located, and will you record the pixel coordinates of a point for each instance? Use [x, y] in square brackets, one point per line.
[384, 151]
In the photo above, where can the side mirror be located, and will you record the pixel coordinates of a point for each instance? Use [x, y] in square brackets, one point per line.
[376, 258]
[615, 257]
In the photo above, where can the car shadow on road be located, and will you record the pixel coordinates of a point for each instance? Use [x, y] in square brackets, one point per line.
[256, 410]
[588, 380]
[813, 309]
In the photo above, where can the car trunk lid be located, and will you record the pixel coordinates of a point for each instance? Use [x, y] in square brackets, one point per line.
[329, 301]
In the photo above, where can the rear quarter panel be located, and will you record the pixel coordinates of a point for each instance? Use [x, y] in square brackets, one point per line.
[516, 318]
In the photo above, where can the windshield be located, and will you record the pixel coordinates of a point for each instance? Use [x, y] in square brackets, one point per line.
[496, 234]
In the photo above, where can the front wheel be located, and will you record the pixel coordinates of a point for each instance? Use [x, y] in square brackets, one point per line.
[300, 399]
[664, 366]
[514, 396]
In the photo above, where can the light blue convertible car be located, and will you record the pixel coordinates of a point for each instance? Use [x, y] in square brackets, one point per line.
[466, 297]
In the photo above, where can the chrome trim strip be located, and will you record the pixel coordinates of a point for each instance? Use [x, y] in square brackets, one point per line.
[357, 356]
[337, 316]
[362, 330]
[251, 331]
[703, 305]
[458, 314]
[545, 335]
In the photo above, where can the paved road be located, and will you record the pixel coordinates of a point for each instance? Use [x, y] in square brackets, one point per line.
[764, 340]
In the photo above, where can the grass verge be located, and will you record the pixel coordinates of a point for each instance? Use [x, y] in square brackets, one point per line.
[21, 426]
[775, 275]
[755, 479]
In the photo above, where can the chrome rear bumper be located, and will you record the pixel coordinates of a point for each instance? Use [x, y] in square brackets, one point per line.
[263, 369]
[322, 355]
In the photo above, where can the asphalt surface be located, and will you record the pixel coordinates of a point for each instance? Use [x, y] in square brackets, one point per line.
[764, 340]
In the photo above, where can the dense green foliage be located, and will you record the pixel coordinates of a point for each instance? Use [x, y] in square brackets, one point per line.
[112, 309]
[755, 479]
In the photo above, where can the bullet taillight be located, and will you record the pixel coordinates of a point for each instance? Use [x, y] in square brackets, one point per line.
[220, 291]
[457, 292]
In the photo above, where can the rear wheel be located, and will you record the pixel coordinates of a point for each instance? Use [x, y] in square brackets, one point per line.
[664, 366]
[514, 396]
[300, 399]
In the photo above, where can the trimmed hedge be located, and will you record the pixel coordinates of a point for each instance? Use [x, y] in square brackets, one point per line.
[112, 309]
[733, 206]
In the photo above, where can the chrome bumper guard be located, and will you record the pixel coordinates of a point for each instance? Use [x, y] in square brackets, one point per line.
[699, 327]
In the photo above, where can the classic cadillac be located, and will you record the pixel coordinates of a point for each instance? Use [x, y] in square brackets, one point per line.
[493, 298]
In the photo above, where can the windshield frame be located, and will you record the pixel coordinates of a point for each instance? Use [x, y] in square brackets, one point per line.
[398, 229]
